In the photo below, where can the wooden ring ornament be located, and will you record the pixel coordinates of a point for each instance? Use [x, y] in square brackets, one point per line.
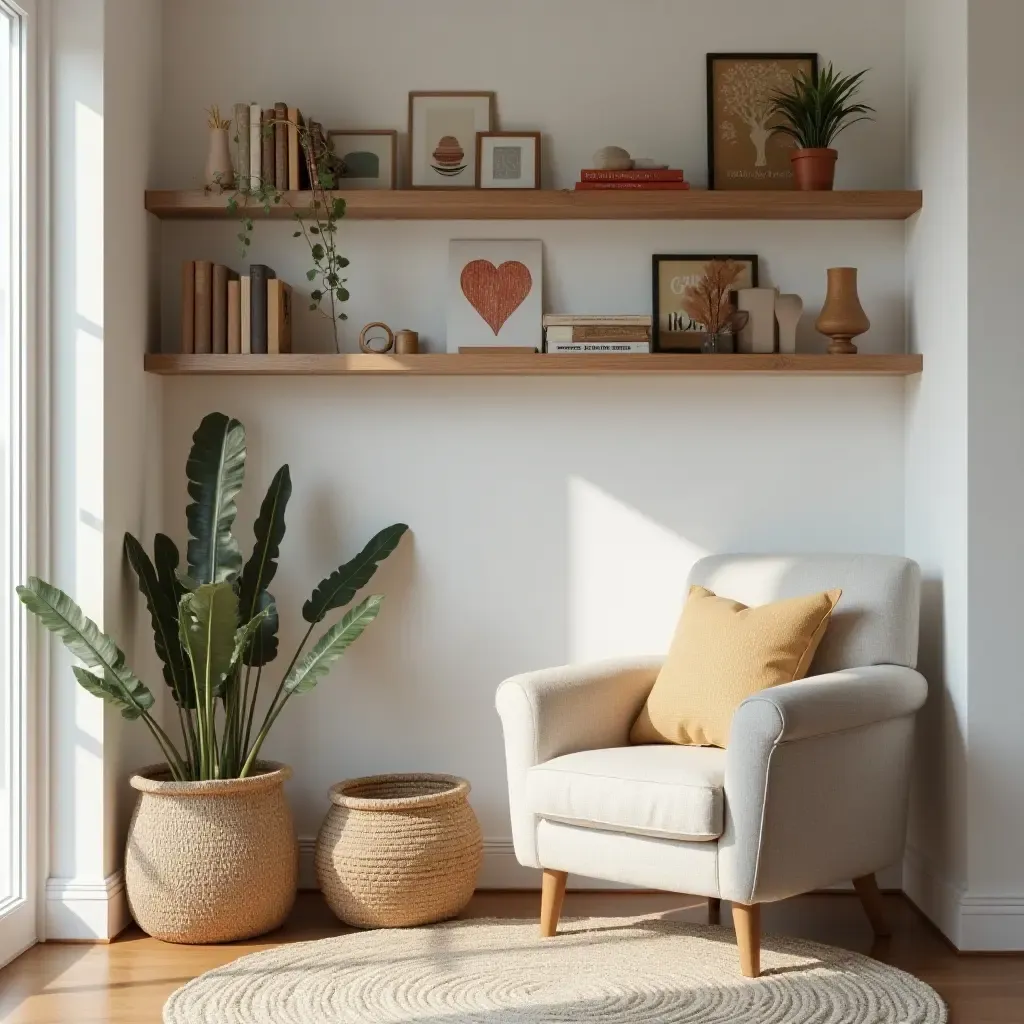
[365, 342]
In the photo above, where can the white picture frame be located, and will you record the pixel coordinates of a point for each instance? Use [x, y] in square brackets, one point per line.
[442, 137]
[494, 293]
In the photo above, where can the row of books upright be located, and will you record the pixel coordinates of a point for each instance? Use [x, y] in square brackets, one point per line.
[222, 311]
[566, 333]
[667, 178]
[270, 147]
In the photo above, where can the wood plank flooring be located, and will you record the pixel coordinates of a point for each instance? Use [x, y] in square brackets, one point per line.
[127, 981]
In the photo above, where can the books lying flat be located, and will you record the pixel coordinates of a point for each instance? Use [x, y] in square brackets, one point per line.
[557, 348]
[603, 332]
[596, 319]
[588, 186]
[635, 174]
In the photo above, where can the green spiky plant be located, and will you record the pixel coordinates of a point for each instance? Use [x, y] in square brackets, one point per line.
[818, 107]
[215, 626]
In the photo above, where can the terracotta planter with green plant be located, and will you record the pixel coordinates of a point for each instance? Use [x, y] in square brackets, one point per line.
[813, 113]
[211, 854]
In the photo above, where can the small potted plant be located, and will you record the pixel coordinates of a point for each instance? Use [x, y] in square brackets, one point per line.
[211, 853]
[814, 112]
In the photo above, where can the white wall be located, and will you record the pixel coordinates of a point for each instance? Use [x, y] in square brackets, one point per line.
[552, 520]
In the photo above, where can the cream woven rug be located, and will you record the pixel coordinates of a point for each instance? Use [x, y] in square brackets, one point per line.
[629, 970]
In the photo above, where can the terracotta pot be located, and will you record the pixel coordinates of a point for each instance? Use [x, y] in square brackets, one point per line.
[219, 171]
[814, 170]
[211, 861]
[842, 317]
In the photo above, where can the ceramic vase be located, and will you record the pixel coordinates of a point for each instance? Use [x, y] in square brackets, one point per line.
[814, 170]
[842, 317]
[788, 310]
[219, 171]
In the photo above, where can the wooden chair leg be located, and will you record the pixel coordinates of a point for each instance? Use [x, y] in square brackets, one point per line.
[747, 921]
[714, 910]
[552, 893]
[874, 905]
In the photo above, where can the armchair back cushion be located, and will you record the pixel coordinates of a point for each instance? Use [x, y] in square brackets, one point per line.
[876, 623]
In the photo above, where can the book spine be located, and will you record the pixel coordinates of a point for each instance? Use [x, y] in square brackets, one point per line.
[624, 347]
[204, 312]
[245, 314]
[279, 315]
[234, 317]
[267, 161]
[242, 145]
[585, 186]
[188, 306]
[259, 274]
[281, 146]
[663, 174]
[255, 147]
[285, 341]
[611, 332]
[219, 309]
[596, 320]
[293, 148]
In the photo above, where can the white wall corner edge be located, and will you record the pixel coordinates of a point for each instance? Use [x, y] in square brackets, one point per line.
[86, 909]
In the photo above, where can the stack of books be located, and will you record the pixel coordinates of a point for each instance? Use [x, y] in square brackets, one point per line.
[638, 177]
[222, 311]
[627, 334]
[268, 147]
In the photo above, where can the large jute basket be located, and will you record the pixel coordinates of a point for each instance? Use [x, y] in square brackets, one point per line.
[211, 861]
[398, 850]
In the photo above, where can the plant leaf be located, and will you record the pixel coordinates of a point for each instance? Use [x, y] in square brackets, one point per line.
[208, 619]
[132, 698]
[244, 634]
[215, 470]
[341, 586]
[331, 646]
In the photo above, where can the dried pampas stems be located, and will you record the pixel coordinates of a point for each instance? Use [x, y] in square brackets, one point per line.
[214, 120]
[707, 302]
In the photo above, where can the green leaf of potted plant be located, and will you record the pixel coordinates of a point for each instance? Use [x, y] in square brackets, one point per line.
[813, 113]
[211, 854]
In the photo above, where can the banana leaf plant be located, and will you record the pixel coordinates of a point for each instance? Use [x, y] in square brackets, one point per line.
[215, 623]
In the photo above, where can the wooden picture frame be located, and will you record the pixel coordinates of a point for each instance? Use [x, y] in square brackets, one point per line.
[690, 267]
[761, 160]
[354, 184]
[464, 141]
[525, 179]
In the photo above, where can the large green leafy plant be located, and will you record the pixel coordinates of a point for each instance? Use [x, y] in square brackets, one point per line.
[215, 625]
[818, 107]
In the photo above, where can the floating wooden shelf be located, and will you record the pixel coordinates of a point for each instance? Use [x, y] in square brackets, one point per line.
[552, 204]
[527, 365]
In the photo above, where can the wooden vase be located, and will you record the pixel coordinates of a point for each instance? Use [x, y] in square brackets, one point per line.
[814, 170]
[842, 317]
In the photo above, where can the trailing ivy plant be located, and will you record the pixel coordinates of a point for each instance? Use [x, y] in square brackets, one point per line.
[215, 624]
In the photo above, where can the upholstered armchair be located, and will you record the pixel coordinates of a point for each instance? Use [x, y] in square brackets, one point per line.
[811, 790]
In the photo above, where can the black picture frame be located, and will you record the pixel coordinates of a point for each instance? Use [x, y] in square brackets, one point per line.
[656, 260]
[711, 58]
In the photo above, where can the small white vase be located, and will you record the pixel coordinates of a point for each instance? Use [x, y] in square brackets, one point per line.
[219, 170]
[788, 310]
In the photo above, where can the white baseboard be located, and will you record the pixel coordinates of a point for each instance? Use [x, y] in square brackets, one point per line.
[86, 909]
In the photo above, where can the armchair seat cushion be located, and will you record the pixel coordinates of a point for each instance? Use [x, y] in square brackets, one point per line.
[670, 792]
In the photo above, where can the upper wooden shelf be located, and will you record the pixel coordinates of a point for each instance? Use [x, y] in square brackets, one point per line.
[552, 204]
[527, 364]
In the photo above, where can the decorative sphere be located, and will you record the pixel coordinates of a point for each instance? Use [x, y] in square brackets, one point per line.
[612, 158]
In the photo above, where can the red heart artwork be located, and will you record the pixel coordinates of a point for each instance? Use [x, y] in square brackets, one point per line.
[496, 292]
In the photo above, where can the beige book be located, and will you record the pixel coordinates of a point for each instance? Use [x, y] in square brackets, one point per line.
[188, 306]
[245, 314]
[294, 120]
[234, 316]
[279, 317]
[204, 306]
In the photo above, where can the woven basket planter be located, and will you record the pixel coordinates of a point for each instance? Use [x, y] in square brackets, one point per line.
[398, 850]
[211, 861]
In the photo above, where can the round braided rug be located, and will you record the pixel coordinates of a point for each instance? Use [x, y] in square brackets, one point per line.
[638, 970]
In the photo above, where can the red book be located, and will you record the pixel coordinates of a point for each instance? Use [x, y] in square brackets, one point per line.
[582, 186]
[635, 174]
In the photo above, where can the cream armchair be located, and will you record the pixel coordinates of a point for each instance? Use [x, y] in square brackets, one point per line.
[811, 791]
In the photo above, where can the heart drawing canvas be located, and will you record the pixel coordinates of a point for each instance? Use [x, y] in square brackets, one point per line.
[494, 293]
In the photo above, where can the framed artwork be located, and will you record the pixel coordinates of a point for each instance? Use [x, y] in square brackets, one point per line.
[370, 157]
[508, 159]
[742, 151]
[494, 293]
[442, 137]
[674, 331]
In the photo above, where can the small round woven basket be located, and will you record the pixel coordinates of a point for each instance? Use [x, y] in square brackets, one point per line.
[398, 850]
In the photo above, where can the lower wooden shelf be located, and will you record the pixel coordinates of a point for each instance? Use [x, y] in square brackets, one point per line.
[528, 365]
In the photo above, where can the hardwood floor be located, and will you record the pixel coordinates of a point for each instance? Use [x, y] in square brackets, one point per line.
[127, 981]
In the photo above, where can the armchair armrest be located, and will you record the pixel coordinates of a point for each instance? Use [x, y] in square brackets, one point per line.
[817, 776]
[561, 711]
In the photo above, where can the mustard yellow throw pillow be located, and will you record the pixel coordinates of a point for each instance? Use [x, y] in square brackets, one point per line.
[722, 653]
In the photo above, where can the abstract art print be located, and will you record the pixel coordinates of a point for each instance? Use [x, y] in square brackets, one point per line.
[743, 152]
[494, 294]
[442, 137]
[508, 159]
[369, 158]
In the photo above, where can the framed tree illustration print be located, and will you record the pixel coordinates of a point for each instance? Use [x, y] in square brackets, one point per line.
[742, 151]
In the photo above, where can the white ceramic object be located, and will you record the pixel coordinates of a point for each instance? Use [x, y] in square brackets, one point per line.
[645, 163]
[759, 333]
[788, 310]
[612, 158]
